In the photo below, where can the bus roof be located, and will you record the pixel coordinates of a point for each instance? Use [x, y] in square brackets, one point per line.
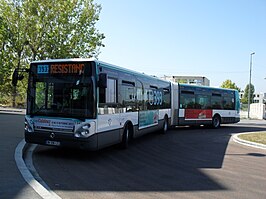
[131, 71]
[65, 60]
[207, 87]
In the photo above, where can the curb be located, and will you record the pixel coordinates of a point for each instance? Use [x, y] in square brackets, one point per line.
[44, 192]
[12, 111]
[248, 143]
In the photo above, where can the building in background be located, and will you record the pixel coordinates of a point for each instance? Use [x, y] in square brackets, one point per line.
[258, 97]
[196, 80]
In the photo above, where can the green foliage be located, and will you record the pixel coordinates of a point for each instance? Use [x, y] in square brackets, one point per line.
[35, 30]
[182, 81]
[229, 84]
[244, 99]
[255, 137]
[244, 106]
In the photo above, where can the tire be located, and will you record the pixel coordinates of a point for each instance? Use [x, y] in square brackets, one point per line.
[216, 122]
[165, 125]
[125, 138]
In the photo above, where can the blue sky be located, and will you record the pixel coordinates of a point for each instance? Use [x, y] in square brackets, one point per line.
[212, 38]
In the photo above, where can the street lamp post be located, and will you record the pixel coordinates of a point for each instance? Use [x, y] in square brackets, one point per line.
[250, 68]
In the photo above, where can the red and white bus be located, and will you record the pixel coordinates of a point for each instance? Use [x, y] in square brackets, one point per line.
[202, 105]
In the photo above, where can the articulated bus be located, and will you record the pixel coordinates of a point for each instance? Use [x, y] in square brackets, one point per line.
[201, 105]
[86, 103]
[90, 104]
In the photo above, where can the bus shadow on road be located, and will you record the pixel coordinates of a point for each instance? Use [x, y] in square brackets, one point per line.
[154, 162]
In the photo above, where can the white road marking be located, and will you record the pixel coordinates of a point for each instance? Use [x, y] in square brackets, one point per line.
[45, 193]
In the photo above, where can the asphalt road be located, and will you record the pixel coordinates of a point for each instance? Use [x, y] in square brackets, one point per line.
[184, 163]
[12, 185]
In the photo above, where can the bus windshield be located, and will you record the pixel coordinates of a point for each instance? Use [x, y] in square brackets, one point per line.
[61, 94]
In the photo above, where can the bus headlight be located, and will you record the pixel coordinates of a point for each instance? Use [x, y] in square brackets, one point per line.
[84, 131]
[28, 127]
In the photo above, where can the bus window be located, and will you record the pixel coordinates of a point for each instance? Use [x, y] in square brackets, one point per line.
[146, 99]
[217, 102]
[228, 103]
[44, 95]
[40, 94]
[166, 98]
[140, 99]
[111, 92]
[203, 102]
[128, 97]
[187, 101]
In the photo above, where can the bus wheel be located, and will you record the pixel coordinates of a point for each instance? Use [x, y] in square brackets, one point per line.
[125, 137]
[216, 122]
[165, 125]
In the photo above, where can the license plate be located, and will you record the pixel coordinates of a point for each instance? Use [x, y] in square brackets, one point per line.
[53, 143]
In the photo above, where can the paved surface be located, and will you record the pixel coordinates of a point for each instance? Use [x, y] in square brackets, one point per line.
[12, 185]
[179, 166]
[252, 122]
[184, 163]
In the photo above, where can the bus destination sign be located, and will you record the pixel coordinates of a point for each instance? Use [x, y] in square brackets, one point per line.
[60, 68]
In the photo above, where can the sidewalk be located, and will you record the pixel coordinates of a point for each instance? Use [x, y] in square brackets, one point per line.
[252, 121]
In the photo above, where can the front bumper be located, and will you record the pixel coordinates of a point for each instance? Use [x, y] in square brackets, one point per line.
[62, 140]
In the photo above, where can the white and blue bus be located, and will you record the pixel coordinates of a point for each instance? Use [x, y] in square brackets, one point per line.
[202, 105]
[90, 104]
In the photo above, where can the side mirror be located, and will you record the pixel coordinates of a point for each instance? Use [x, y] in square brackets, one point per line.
[15, 77]
[102, 82]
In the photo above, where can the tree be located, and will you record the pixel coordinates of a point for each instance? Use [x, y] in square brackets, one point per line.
[6, 58]
[182, 81]
[244, 99]
[34, 30]
[229, 84]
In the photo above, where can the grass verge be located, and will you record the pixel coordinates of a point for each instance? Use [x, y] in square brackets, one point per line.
[259, 137]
